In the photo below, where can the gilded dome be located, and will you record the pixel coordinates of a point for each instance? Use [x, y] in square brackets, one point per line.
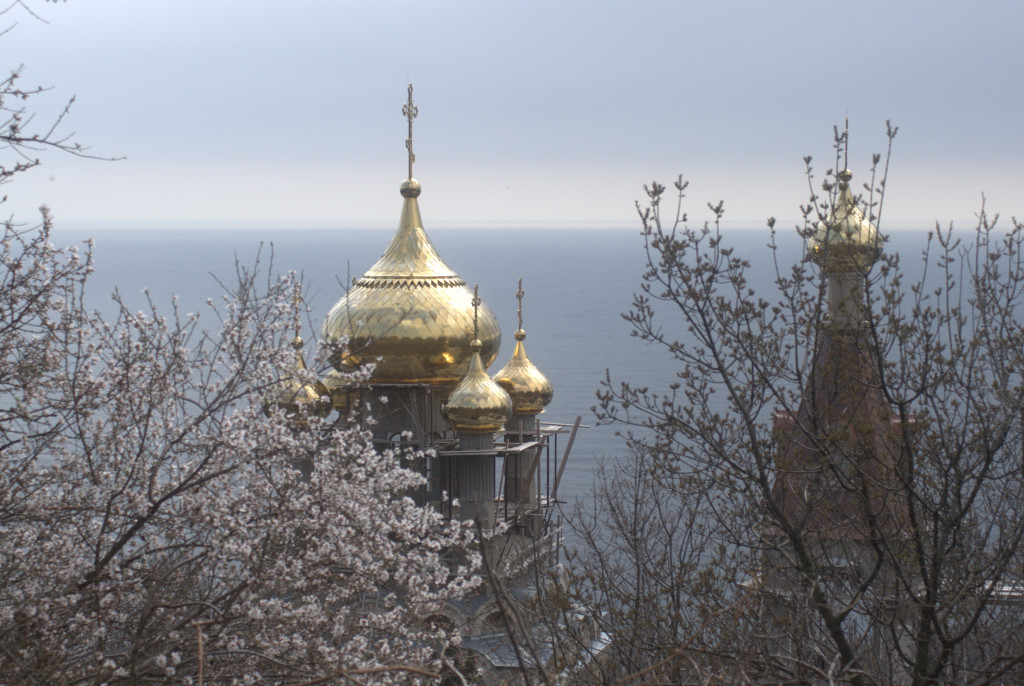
[296, 397]
[477, 404]
[529, 389]
[846, 241]
[411, 311]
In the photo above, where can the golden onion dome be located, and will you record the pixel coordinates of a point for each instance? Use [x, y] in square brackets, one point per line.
[477, 405]
[410, 313]
[529, 389]
[297, 398]
[846, 241]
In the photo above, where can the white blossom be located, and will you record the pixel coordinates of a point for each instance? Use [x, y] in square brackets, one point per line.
[144, 498]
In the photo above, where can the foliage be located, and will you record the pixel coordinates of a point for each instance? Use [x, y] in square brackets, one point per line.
[154, 526]
[143, 495]
[892, 553]
[22, 137]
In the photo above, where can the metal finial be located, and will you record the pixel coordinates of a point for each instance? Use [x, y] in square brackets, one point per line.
[519, 299]
[476, 308]
[846, 144]
[296, 302]
[410, 112]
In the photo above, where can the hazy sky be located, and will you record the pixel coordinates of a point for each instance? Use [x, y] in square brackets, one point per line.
[289, 111]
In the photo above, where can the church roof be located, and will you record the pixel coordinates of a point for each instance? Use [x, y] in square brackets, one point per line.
[410, 314]
[845, 241]
[529, 389]
[477, 404]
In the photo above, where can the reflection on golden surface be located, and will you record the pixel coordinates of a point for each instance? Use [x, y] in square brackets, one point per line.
[846, 241]
[411, 311]
[477, 404]
[296, 398]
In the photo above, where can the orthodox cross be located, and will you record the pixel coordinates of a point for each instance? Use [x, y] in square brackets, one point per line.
[846, 143]
[410, 112]
[296, 305]
[476, 306]
[519, 298]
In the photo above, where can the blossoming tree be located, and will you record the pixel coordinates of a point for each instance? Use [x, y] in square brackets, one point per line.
[155, 525]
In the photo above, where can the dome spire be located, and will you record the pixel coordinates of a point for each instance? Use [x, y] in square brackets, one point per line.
[846, 141]
[410, 112]
[845, 245]
[296, 304]
[529, 389]
[519, 304]
[476, 314]
[845, 241]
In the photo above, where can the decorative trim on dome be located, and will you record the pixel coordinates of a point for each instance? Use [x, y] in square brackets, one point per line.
[410, 282]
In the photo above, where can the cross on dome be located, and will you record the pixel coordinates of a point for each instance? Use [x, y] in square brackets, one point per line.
[476, 309]
[410, 112]
[296, 305]
[529, 389]
[846, 143]
[519, 301]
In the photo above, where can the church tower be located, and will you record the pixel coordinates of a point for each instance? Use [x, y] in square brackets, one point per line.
[429, 340]
[837, 525]
[835, 456]
[530, 392]
[476, 409]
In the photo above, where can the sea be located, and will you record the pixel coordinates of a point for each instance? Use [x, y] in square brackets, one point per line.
[577, 283]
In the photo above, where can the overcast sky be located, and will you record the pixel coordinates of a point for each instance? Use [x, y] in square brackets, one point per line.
[546, 112]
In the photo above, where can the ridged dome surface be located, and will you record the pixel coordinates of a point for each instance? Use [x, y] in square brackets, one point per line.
[477, 404]
[528, 388]
[411, 311]
[846, 241]
[296, 397]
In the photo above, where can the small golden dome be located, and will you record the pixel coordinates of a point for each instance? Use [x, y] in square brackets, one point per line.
[846, 241]
[337, 386]
[529, 389]
[411, 311]
[477, 405]
[298, 399]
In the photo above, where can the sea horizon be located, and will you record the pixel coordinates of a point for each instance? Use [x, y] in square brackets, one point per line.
[728, 225]
[577, 285]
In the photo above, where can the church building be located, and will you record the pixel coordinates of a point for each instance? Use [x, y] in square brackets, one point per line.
[478, 441]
